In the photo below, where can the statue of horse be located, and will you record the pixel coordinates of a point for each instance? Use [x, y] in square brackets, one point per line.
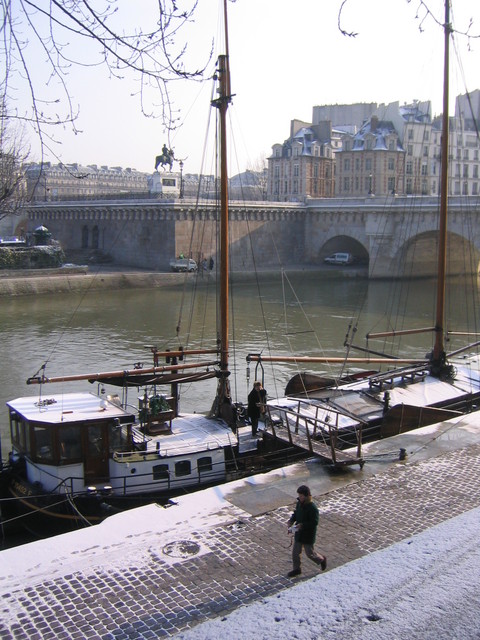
[165, 159]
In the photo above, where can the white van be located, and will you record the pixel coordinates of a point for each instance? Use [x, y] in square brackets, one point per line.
[339, 258]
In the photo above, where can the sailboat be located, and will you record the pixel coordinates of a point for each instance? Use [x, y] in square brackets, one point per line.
[79, 457]
[410, 393]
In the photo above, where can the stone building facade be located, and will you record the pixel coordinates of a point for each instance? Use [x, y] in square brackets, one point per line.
[396, 149]
[304, 164]
[50, 182]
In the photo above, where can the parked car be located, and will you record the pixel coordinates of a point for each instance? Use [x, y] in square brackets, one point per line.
[183, 264]
[339, 258]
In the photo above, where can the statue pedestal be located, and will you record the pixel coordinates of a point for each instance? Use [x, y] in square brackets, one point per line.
[165, 184]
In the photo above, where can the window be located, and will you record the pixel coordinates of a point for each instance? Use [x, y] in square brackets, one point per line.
[296, 170]
[276, 171]
[474, 189]
[465, 154]
[369, 144]
[42, 444]
[424, 169]
[424, 188]
[18, 432]
[391, 145]
[391, 185]
[346, 184]
[204, 464]
[465, 170]
[368, 164]
[295, 186]
[70, 443]
[347, 145]
[408, 187]
[465, 189]
[160, 472]
[409, 169]
[183, 468]
[410, 134]
[426, 134]
[357, 164]
[391, 164]
[475, 171]
[315, 170]
[425, 152]
[346, 164]
[409, 150]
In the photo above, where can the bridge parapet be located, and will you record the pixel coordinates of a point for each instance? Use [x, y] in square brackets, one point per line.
[148, 233]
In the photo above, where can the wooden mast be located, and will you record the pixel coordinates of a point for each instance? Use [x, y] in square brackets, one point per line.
[223, 399]
[438, 355]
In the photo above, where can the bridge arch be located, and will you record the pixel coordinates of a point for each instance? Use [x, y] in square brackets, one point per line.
[344, 244]
[418, 256]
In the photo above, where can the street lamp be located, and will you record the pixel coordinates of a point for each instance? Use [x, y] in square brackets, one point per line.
[370, 181]
[181, 179]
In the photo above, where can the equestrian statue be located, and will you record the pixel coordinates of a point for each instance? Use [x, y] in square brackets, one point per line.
[165, 159]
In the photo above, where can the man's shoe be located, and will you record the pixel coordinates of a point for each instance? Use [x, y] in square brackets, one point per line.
[323, 563]
[294, 572]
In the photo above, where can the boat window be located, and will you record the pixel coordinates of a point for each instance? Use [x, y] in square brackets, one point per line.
[183, 468]
[204, 464]
[70, 443]
[160, 472]
[42, 444]
[94, 440]
[18, 432]
[118, 437]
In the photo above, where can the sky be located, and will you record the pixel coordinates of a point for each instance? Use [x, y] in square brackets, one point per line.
[285, 58]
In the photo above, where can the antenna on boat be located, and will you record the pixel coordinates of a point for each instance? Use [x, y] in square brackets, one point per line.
[222, 403]
[438, 357]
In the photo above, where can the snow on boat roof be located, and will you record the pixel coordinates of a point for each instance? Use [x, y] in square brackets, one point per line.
[68, 407]
[193, 432]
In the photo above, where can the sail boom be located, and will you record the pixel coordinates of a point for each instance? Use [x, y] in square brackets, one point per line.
[132, 373]
[403, 332]
[336, 360]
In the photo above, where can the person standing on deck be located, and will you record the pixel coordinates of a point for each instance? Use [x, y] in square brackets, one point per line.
[256, 401]
[305, 519]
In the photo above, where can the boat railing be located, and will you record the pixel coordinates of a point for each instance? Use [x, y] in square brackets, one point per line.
[308, 425]
[169, 451]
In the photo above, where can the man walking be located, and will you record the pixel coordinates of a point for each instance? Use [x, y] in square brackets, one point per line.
[305, 519]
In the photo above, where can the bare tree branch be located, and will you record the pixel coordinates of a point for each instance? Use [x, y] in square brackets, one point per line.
[88, 33]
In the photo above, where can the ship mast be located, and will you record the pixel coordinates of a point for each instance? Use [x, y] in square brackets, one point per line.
[222, 402]
[438, 355]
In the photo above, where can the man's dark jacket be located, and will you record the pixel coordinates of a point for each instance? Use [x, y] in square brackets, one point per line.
[305, 514]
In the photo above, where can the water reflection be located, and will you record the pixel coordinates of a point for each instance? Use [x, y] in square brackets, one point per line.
[112, 330]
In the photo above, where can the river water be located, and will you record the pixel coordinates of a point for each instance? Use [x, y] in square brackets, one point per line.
[305, 313]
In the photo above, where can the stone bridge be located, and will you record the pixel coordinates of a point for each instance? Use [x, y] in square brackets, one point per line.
[394, 236]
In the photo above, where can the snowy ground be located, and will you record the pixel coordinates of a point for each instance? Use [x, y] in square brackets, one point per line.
[426, 587]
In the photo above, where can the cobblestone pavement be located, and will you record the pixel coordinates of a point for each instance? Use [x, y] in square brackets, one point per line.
[219, 569]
